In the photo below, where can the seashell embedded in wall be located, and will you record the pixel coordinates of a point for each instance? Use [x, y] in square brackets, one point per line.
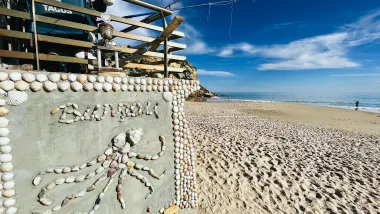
[15, 98]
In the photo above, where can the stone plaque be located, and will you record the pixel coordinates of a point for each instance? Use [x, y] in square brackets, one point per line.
[93, 144]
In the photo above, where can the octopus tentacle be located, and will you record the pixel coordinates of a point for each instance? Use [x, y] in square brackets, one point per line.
[151, 157]
[101, 195]
[143, 179]
[71, 179]
[146, 168]
[119, 187]
[68, 169]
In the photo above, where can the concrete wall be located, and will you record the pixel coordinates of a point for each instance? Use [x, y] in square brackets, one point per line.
[41, 144]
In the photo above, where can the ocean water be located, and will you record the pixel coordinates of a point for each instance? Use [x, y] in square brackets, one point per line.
[369, 102]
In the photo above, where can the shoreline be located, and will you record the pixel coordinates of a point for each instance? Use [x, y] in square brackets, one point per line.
[361, 108]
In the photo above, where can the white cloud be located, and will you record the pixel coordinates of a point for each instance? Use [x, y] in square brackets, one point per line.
[323, 51]
[356, 75]
[214, 73]
[193, 39]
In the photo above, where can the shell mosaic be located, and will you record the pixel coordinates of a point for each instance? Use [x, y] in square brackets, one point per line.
[117, 159]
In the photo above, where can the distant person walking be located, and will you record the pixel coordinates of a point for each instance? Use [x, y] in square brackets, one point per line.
[357, 105]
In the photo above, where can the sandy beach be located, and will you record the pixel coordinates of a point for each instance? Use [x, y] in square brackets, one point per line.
[285, 158]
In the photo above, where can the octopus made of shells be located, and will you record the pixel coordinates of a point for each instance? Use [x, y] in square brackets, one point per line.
[115, 160]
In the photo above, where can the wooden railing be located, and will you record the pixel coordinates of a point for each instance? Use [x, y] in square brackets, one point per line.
[167, 34]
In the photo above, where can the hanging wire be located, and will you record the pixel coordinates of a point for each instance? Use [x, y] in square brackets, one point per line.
[209, 12]
[229, 33]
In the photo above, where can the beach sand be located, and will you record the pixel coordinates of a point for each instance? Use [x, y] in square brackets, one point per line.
[285, 158]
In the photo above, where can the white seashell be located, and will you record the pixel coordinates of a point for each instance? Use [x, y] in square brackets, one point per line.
[170, 81]
[149, 81]
[6, 167]
[82, 78]
[21, 85]
[143, 81]
[115, 87]
[7, 176]
[101, 78]
[7, 85]
[2, 102]
[3, 76]
[63, 85]
[137, 87]
[109, 79]
[107, 86]
[124, 80]
[137, 81]
[11, 210]
[131, 81]
[3, 122]
[64, 77]
[98, 86]
[4, 141]
[6, 149]
[166, 82]
[9, 202]
[4, 132]
[15, 76]
[49, 86]
[130, 87]
[168, 96]
[28, 77]
[76, 86]
[5, 158]
[9, 193]
[160, 82]
[9, 184]
[41, 77]
[117, 79]
[35, 86]
[88, 86]
[154, 87]
[160, 88]
[166, 88]
[54, 77]
[91, 78]
[124, 87]
[16, 98]
[143, 88]
[72, 77]
[148, 88]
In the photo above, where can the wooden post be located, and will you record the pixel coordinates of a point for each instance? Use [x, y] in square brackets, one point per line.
[166, 32]
[166, 71]
[35, 35]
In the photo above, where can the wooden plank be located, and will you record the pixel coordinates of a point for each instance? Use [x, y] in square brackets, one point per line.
[98, 14]
[147, 20]
[150, 6]
[167, 32]
[78, 43]
[64, 23]
[15, 13]
[45, 57]
[153, 67]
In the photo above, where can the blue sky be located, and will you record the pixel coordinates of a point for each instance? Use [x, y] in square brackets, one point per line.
[281, 46]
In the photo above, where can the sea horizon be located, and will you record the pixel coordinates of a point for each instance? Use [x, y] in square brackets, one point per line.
[368, 101]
